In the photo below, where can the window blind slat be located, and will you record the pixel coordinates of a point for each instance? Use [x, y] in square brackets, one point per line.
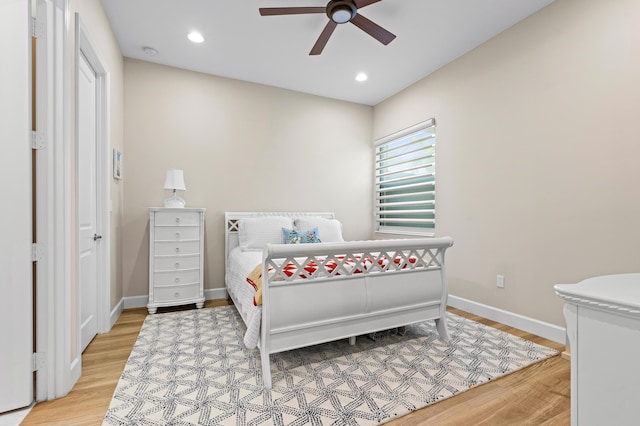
[415, 194]
[418, 137]
[399, 167]
[412, 214]
[385, 184]
[385, 205]
[407, 220]
[384, 155]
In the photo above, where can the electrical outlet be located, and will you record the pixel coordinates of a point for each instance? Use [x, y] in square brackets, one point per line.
[500, 281]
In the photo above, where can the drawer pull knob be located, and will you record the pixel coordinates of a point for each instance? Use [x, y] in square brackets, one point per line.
[177, 235]
[177, 264]
[177, 249]
[177, 280]
[177, 220]
[176, 295]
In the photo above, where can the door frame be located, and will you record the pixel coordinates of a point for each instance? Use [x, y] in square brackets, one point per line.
[54, 375]
[85, 47]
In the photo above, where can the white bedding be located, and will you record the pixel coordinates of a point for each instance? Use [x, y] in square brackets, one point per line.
[239, 266]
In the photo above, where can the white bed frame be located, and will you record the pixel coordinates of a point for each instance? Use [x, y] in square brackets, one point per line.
[299, 312]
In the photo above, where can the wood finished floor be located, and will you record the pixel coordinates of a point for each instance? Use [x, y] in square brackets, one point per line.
[536, 395]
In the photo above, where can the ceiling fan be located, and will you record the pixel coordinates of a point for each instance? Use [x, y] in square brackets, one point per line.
[339, 12]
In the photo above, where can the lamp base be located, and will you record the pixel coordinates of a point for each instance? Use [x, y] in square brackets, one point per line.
[174, 201]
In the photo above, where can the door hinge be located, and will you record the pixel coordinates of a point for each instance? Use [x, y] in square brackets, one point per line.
[37, 252]
[38, 29]
[38, 361]
[37, 140]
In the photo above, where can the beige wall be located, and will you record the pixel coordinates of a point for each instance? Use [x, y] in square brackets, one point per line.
[243, 147]
[538, 176]
[97, 25]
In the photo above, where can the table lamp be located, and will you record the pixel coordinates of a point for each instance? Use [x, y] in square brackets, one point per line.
[174, 181]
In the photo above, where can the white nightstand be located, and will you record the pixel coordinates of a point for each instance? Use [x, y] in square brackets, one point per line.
[176, 257]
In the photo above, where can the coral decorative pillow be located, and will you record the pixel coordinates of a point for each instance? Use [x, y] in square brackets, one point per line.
[293, 236]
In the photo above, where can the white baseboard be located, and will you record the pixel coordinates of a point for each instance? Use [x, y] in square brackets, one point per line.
[75, 371]
[215, 293]
[530, 325]
[141, 301]
[115, 313]
[136, 302]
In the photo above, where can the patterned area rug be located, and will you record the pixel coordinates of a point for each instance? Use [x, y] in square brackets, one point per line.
[191, 368]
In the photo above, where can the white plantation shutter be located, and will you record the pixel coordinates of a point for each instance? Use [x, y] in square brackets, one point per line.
[405, 181]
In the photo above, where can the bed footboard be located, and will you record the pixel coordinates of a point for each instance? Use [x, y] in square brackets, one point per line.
[316, 293]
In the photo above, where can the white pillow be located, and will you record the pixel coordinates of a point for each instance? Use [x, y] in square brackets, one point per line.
[329, 230]
[255, 232]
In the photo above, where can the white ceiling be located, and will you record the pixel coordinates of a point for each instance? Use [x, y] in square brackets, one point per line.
[274, 50]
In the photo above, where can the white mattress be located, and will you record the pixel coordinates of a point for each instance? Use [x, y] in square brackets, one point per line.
[239, 266]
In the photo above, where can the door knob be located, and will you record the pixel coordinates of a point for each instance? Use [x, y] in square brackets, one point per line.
[96, 237]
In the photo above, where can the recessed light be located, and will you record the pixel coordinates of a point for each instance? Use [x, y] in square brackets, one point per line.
[195, 37]
[361, 77]
[149, 51]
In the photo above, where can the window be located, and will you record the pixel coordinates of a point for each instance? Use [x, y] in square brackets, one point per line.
[405, 181]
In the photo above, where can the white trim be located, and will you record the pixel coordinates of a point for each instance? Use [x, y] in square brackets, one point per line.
[45, 179]
[132, 302]
[75, 370]
[404, 132]
[53, 219]
[116, 312]
[530, 325]
[215, 293]
[104, 200]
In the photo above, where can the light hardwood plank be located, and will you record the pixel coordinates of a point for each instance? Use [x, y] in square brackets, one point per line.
[536, 395]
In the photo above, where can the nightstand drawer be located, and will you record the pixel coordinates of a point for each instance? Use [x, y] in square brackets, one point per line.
[176, 293]
[175, 263]
[176, 248]
[177, 233]
[190, 276]
[177, 218]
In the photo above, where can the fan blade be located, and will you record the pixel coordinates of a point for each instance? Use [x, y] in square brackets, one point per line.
[272, 11]
[362, 3]
[324, 38]
[373, 29]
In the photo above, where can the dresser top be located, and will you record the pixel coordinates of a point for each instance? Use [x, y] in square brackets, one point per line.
[176, 209]
[619, 292]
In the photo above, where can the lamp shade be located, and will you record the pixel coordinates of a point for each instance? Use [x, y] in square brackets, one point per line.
[174, 180]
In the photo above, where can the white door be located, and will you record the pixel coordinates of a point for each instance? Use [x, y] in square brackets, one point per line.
[16, 318]
[87, 211]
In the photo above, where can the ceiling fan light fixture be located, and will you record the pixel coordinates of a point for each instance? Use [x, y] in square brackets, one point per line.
[341, 15]
[341, 12]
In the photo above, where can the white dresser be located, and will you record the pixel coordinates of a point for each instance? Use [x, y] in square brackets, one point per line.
[176, 257]
[603, 327]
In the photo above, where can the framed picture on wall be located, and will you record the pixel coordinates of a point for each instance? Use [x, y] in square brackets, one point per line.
[117, 164]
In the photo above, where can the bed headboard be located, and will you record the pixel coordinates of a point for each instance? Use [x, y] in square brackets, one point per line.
[232, 220]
